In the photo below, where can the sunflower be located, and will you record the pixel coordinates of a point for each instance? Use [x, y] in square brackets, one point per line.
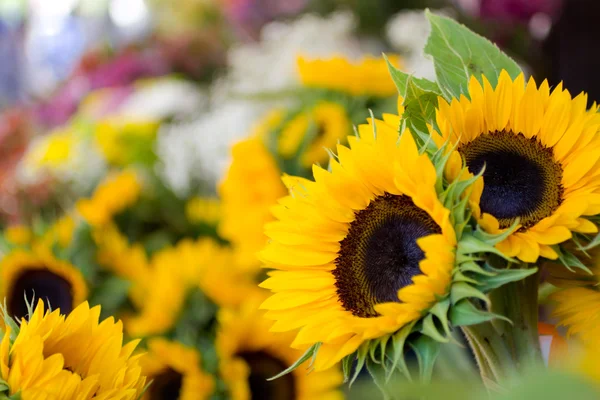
[37, 273]
[367, 77]
[127, 261]
[205, 210]
[174, 370]
[249, 354]
[314, 131]
[73, 357]
[19, 235]
[123, 140]
[250, 187]
[60, 232]
[541, 155]
[200, 264]
[116, 193]
[362, 251]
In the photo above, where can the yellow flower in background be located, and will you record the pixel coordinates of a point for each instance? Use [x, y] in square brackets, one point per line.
[541, 153]
[61, 232]
[363, 250]
[175, 372]
[19, 235]
[127, 261]
[249, 354]
[25, 274]
[53, 150]
[203, 210]
[73, 357]
[250, 187]
[314, 131]
[123, 140]
[117, 192]
[201, 264]
[366, 77]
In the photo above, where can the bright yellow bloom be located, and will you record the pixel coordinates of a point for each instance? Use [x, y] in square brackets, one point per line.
[250, 187]
[175, 372]
[362, 251]
[368, 77]
[541, 153]
[76, 357]
[203, 210]
[123, 140]
[113, 195]
[249, 354]
[53, 150]
[314, 131]
[19, 235]
[25, 274]
[61, 232]
[200, 264]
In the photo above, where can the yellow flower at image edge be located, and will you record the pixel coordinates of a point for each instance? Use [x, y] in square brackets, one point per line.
[73, 357]
[113, 195]
[251, 186]
[26, 274]
[174, 370]
[249, 354]
[369, 76]
[541, 152]
[362, 251]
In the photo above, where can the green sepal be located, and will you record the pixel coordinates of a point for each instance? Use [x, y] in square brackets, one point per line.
[310, 353]
[378, 375]
[458, 53]
[468, 244]
[419, 110]
[440, 310]
[472, 266]
[461, 290]
[460, 277]
[495, 238]
[10, 322]
[432, 331]
[504, 276]
[593, 243]
[464, 313]
[4, 385]
[427, 351]
[401, 79]
[570, 260]
[398, 361]
[361, 359]
[347, 366]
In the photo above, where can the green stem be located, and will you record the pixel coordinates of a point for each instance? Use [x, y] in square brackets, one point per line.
[491, 352]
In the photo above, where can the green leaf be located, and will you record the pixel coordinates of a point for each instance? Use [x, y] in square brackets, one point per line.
[458, 53]
[378, 375]
[420, 104]
[461, 290]
[347, 366]
[432, 331]
[361, 356]
[111, 294]
[401, 79]
[427, 351]
[464, 313]
[503, 277]
[398, 361]
[312, 350]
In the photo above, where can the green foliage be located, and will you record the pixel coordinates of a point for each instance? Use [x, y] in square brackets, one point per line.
[458, 53]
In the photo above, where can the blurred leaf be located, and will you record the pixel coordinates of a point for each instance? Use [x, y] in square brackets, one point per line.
[551, 385]
[459, 53]
[464, 313]
[111, 293]
[427, 351]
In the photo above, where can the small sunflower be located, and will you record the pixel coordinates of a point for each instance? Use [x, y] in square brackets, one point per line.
[313, 131]
[205, 210]
[250, 187]
[116, 193]
[73, 357]
[123, 140]
[367, 77]
[175, 372]
[37, 273]
[362, 251]
[19, 235]
[60, 232]
[541, 153]
[249, 354]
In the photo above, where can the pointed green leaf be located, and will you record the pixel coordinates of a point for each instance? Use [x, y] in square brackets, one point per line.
[469, 245]
[472, 266]
[347, 365]
[378, 375]
[464, 313]
[503, 277]
[458, 53]
[361, 357]
[432, 331]
[398, 361]
[311, 352]
[440, 310]
[427, 351]
[401, 79]
[419, 110]
[461, 290]
[593, 243]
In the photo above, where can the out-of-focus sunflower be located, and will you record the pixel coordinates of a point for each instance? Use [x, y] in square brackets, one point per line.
[19, 235]
[250, 187]
[73, 357]
[60, 232]
[541, 153]
[123, 141]
[314, 131]
[116, 193]
[367, 77]
[175, 372]
[205, 210]
[362, 251]
[250, 354]
[38, 273]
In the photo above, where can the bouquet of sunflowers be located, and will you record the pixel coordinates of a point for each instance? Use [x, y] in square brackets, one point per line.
[446, 249]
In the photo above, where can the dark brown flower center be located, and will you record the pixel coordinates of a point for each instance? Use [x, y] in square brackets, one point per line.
[380, 254]
[166, 385]
[53, 289]
[263, 366]
[521, 178]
